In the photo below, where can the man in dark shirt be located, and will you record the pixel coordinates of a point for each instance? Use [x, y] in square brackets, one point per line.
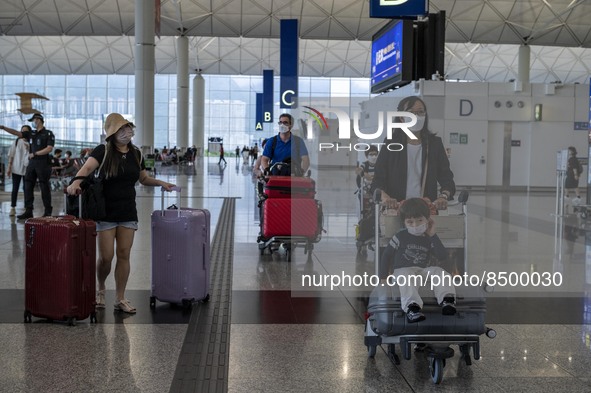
[41, 142]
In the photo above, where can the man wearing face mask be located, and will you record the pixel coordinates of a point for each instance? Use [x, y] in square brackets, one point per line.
[418, 169]
[286, 147]
[41, 142]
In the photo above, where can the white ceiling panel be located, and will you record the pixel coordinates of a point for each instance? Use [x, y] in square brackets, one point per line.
[482, 36]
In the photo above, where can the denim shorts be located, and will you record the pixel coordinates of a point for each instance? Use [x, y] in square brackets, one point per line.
[105, 225]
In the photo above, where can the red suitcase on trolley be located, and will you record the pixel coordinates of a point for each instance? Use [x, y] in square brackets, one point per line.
[289, 187]
[290, 217]
[180, 255]
[60, 266]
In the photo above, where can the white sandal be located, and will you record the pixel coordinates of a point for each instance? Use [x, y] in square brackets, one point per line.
[125, 306]
[100, 299]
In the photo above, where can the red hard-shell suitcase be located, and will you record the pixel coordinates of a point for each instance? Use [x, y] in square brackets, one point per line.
[60, 266]
[290, 217]
[180, 255]
[289, 187]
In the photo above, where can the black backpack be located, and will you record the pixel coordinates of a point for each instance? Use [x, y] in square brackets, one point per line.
[295, 162]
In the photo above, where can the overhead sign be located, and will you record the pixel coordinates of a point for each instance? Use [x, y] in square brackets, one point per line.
[288, 67]
[259, 112]
[398, 9]
[267, 96]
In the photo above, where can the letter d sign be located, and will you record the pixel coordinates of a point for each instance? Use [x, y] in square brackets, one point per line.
[466, 107]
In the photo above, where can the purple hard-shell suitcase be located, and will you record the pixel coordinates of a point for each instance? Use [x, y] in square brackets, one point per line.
[180, 255]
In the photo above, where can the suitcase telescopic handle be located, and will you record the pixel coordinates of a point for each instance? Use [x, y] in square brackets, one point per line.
[377, 200]
[178, 191]
[79, 203]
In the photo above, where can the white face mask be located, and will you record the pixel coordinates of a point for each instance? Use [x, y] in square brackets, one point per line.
[418, 230]
[283, 128]
[419, 125]
[372, 159]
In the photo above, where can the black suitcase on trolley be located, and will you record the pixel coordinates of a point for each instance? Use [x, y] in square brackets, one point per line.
[387, 317]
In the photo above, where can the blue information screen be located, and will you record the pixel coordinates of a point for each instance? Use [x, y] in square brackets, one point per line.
[386, 55]
[398, 8]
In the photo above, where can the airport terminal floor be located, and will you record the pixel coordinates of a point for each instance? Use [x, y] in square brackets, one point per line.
[262, 331]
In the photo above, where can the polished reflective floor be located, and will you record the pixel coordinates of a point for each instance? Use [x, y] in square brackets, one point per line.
[285, 337]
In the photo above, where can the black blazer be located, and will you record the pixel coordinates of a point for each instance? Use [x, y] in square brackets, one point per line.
[391, 168]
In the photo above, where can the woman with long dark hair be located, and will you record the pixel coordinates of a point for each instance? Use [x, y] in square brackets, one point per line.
[121, 166]
[18, 159]
[419, 167]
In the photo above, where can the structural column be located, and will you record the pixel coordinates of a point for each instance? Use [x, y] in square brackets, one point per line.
[144, 72]
[198, 112]
[182, 92]
[523, 64]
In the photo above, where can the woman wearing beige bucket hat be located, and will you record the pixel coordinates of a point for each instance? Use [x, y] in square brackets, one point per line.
[121, 166]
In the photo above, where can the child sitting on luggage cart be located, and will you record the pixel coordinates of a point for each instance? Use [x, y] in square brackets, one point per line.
[410, 251]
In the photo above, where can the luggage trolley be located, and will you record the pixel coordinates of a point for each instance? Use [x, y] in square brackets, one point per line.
[386, 322]
[279, 232]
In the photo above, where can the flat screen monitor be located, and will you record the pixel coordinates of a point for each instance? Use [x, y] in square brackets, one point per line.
[392, 56]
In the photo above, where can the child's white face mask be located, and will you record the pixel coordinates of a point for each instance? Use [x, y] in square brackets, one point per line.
[372, 159]
[418, 230]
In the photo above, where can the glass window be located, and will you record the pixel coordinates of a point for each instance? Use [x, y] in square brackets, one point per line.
[97, 93]
[14, 80]
[34, 82]
[256, 83]
[161, 82]
[304, 86]
[360, 87]
[219, 82]
[55, 93]
[76, 110]
[320, 86]
[240, 83]
[117, 81]
[161, 96]
[117, 94]
[215, 95]
[97, 81]
[340, 87]
[242, 96]
[55, 80]
[76, 81]
[75, 93]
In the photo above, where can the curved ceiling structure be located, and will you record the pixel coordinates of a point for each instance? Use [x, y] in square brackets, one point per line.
[241, 37]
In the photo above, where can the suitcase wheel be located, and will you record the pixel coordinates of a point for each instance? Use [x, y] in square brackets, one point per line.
[152, 302]
[93, 317]
[71, 321]
[206, 298]
[392, 354]
[465, 349]
[187, 303]
[436, 367]
[371, 351]
[28, 318]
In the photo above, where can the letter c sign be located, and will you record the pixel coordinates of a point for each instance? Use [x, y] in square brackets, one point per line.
[284, 98]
